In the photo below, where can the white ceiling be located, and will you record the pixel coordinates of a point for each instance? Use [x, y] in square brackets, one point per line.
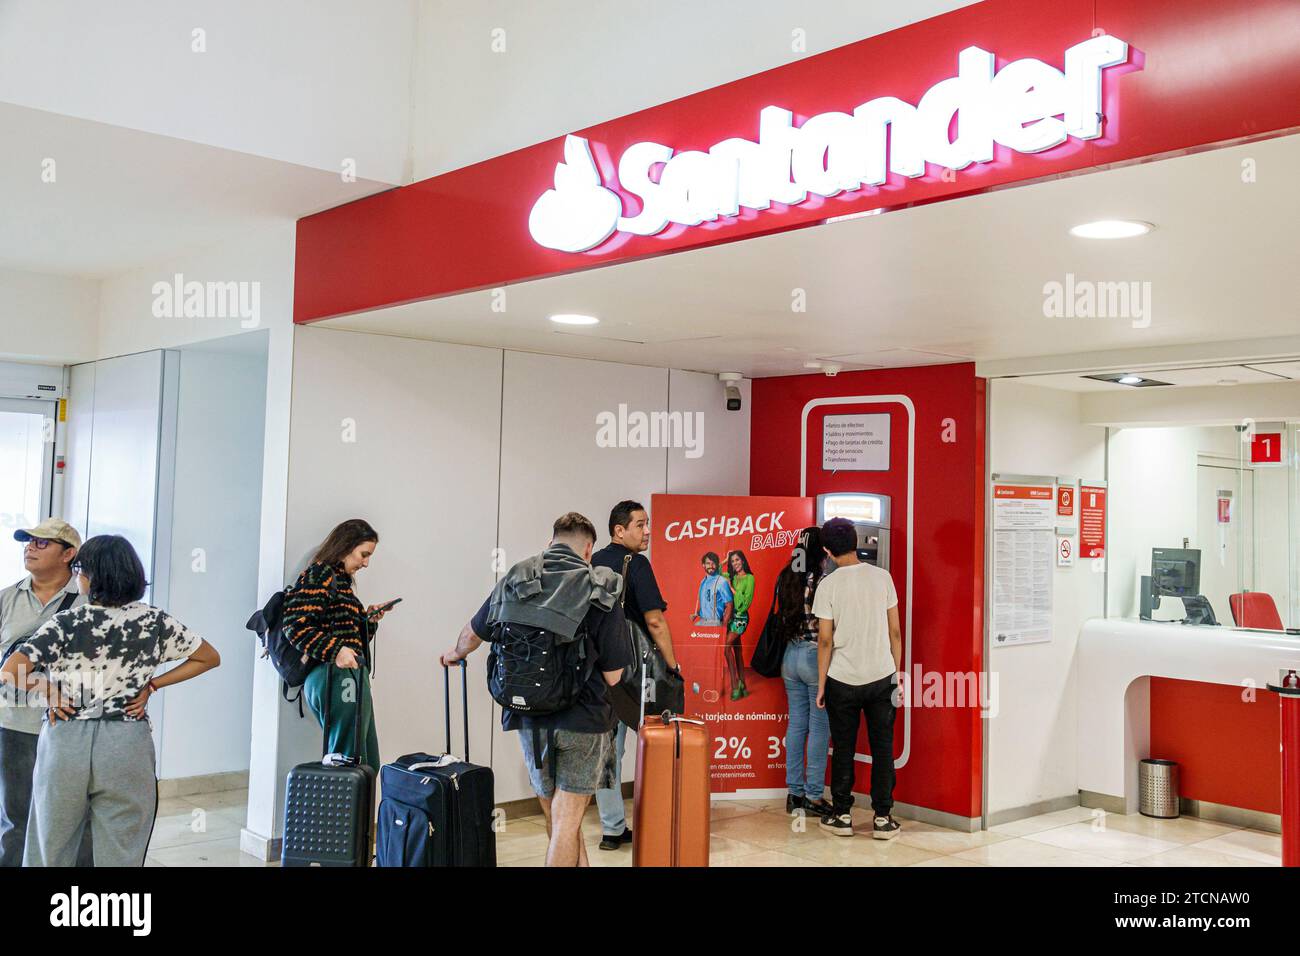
[123, 198]
[1199, 375]
[955, 280]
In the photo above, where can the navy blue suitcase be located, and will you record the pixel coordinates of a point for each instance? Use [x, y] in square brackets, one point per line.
[437, 810]
[327, 809]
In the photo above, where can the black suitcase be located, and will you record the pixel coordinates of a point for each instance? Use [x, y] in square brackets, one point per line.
[328, 809]
[437, 810]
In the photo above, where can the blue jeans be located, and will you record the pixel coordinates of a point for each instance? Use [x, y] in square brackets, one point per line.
[809, 728]
[610, 802]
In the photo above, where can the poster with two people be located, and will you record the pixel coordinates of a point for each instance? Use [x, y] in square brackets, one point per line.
[717, 559]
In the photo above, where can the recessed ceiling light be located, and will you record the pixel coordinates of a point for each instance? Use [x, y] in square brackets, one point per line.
[1112, 229]
[574, 318]
[1126, 378]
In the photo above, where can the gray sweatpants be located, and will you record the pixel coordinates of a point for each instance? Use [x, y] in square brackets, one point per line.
[106, 766]
[17, 766]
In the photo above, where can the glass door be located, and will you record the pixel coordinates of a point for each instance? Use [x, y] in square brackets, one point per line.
[26, 469]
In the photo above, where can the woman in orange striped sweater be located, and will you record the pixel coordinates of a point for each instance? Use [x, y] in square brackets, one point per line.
[324, 619]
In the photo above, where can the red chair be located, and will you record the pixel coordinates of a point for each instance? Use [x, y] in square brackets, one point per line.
[1255, 609]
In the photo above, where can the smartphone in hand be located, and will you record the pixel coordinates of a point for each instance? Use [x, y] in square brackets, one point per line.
[385, 608]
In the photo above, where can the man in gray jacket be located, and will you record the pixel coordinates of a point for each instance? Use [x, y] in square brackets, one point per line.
[560, 591]
[50, 587]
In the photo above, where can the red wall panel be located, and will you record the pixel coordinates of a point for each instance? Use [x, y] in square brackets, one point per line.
[1226, 748]
[944, 768]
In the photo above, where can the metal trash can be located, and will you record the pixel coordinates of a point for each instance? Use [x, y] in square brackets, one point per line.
[1158, 789]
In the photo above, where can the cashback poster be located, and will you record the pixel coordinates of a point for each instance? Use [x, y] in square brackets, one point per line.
[717, 559]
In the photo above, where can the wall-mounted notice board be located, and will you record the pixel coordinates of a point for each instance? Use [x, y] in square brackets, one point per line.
[1024, 553]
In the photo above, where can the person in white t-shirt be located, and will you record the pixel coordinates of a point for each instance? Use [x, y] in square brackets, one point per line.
[859, 655]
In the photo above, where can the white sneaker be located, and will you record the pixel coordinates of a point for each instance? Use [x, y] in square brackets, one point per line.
[885, 828]
[840, 826]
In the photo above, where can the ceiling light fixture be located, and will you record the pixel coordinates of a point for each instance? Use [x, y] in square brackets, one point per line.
[574, 318]
[1112, 229]
[1126, 378]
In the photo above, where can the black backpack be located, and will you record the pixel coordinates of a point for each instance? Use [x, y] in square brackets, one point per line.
[285, 658]
[536, 672]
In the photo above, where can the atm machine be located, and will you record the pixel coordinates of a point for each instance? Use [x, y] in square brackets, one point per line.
[869, 514]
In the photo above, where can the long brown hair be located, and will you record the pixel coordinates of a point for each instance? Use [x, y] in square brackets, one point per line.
[340, 542]
[805, 559]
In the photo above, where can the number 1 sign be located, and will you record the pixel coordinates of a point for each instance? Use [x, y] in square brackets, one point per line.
[1266, 448]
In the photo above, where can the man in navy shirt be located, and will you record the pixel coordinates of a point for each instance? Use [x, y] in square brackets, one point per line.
[629, 537]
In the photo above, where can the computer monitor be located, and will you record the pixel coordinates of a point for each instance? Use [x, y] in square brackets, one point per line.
[1175, 572]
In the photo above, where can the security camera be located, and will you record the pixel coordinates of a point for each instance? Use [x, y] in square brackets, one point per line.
[728, 379]
[829, 369]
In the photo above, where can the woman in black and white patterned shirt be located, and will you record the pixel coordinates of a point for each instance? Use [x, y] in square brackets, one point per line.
[94, 666]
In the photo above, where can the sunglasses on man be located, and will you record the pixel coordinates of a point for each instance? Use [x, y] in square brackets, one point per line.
[40, 544]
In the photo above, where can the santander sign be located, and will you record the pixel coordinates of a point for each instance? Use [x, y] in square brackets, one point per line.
[1028, 106]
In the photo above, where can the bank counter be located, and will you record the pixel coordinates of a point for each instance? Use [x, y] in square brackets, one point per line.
[1118, 658]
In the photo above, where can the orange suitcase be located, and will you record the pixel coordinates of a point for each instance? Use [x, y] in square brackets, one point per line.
[670, 807]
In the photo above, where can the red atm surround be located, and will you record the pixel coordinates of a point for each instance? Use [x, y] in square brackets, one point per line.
[944, 769]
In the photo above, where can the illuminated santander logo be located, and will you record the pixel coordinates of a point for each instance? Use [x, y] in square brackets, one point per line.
[579, 212]
[1028, 106]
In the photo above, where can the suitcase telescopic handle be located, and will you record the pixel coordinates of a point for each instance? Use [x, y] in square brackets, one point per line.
[446, 760]
[464, 693]
[669, 718]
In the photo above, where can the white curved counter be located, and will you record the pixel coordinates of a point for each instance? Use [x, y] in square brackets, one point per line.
[1116, 658]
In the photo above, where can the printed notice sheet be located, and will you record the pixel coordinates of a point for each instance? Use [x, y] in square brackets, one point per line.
[855, 442]
[1024, 550]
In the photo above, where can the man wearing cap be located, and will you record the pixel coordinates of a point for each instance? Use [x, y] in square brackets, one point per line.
[50, 587]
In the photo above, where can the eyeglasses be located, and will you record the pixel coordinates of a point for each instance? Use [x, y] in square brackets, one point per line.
[40, 544]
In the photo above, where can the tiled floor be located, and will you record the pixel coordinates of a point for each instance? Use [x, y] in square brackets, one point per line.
[203, 830]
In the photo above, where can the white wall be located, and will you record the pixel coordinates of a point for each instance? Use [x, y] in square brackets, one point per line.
[79, 431]
[1033, 738]
[423, 471]
[452, 460]
[551, 464]
[1208, 405]
[305, 81]
[569, 64]
[176, 468]
[126, 315]
[46, 318]
[724, 458]
[269, 712]
[216, 507]
[407, 88]
[124, 325]
[122, 490]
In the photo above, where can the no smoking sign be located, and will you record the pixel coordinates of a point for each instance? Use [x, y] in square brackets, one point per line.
[1064, 552]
